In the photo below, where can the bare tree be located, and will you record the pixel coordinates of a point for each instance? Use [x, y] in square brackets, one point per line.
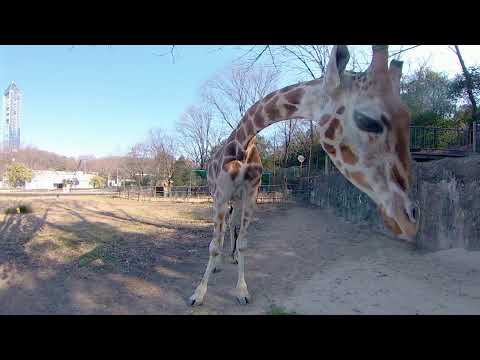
[161, 151]
[231, 93]
[288, 129]
[136, 163]
[198, 135]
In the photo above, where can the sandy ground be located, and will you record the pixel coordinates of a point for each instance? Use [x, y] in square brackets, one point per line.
[117, 256]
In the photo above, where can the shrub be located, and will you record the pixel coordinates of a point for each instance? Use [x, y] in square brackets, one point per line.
[19, 209]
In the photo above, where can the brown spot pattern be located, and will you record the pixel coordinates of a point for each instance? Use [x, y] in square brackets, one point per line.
[269, 96]
[334, 124]
[398, 178]
[252, 109]
[233, 168]
[231, 150]
[290, 109]
[401, 149]
[259, 120]
[330, 149]
[253, 172]
[359, 178]
[347, 154]
[295, 96]
[272, 109]
[240, 154]
[250, 128]
[241, 134]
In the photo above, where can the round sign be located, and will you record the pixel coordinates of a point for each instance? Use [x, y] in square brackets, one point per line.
[301, 158]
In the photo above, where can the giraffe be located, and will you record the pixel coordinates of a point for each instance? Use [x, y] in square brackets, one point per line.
[363, 127]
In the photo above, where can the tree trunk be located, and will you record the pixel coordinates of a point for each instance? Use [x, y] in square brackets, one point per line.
[469, 88]
[469, 85]
[468, 81]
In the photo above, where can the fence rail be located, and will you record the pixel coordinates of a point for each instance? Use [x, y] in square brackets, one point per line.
[435, 138]
[266, 194]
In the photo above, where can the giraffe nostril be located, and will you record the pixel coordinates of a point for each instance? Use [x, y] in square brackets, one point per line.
[412, 213]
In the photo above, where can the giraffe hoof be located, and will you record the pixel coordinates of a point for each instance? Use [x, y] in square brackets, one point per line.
[243, 300]
[193, 301]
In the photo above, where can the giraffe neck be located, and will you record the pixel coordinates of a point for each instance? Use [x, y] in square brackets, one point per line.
[287, 103]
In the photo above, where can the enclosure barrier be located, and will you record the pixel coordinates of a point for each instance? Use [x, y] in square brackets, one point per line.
[267, 193]
[449, 203]
[435, 138]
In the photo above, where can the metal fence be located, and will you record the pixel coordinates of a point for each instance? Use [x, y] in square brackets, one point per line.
[267, 193]
[435, 138]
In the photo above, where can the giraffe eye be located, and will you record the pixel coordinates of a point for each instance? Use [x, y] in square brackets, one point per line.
[366, 123]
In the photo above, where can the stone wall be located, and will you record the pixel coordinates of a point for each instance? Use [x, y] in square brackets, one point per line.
[447, 190]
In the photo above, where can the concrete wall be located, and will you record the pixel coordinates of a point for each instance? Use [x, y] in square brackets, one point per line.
[448, 192]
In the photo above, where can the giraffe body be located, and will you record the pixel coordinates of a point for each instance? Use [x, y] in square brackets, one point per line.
[364, 129]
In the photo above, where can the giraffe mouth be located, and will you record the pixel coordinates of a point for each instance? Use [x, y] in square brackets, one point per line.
[404, 223]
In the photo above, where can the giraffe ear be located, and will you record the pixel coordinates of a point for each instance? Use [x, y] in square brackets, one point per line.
[395, 71]
[337, 63]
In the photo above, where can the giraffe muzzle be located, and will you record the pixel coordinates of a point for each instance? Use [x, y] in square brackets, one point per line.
[404, 223]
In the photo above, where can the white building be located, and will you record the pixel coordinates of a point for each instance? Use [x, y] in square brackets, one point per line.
[11, 117]
[52, 180]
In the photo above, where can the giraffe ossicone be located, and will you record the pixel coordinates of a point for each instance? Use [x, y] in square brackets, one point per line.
[364, 129]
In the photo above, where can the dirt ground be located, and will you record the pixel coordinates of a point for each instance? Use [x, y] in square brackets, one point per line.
[99, 255]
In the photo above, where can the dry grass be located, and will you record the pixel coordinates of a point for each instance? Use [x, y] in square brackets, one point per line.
[96, 231]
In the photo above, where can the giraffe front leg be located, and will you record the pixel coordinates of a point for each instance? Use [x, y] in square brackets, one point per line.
[243, 295]
[214, 252]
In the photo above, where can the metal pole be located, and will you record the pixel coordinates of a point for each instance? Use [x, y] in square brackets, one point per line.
[475, 137]
[274, 149]
[190, 187]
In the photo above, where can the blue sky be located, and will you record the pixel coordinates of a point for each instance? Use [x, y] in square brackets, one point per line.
[101, 100]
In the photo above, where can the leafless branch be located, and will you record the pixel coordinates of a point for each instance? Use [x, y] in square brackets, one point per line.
[402, 51]
[171, 53]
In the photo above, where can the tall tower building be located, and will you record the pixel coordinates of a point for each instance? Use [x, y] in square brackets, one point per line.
[11, 122]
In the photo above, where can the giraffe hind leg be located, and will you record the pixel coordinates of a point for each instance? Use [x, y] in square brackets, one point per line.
[234, 228]
[219, 259]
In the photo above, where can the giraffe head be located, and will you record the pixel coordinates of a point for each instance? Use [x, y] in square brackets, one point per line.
[365, 131]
